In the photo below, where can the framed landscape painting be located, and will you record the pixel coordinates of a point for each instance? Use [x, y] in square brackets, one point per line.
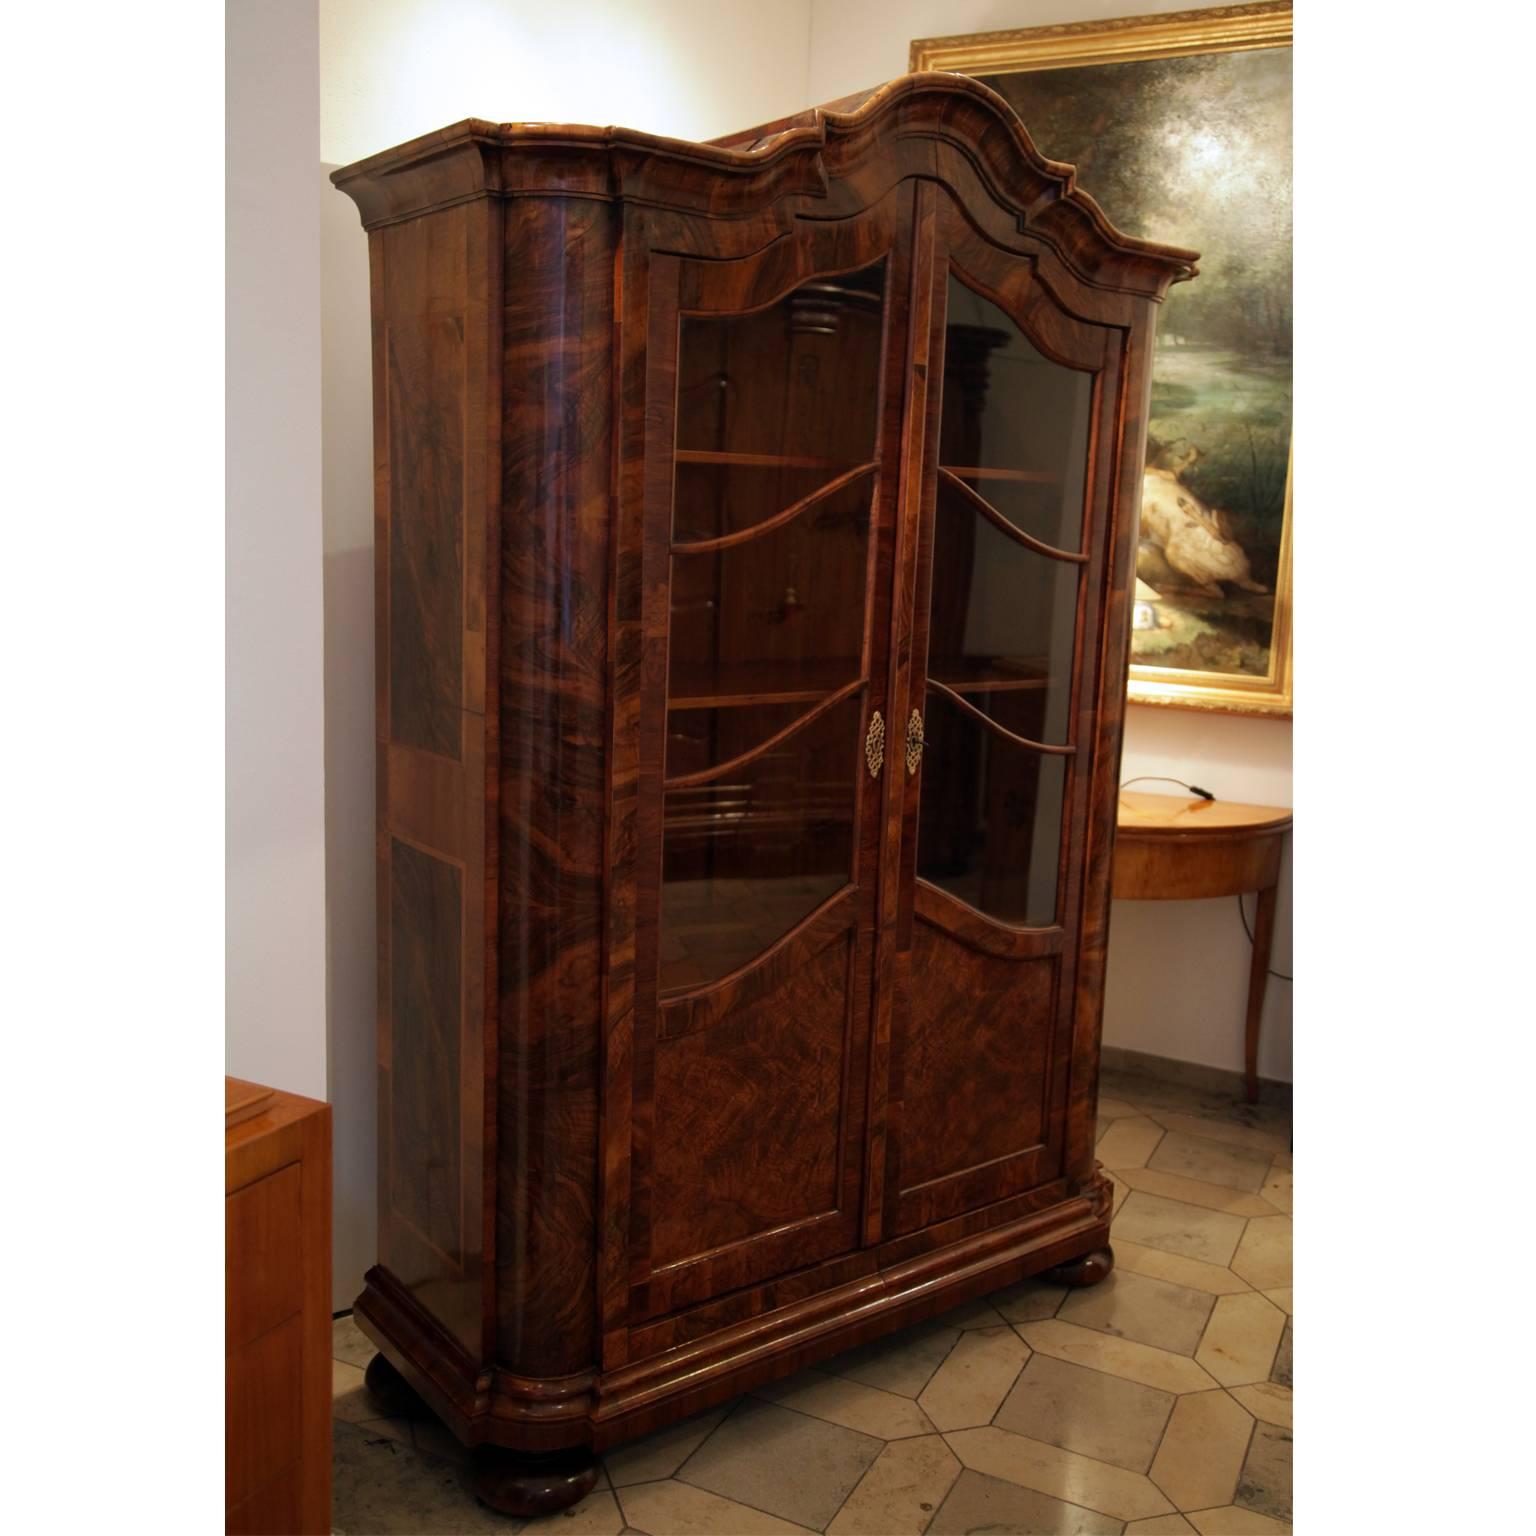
[1180, 127]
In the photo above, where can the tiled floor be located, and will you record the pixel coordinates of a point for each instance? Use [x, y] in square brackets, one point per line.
[1157, 1401]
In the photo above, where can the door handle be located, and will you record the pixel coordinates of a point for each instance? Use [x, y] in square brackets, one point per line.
[914, 742]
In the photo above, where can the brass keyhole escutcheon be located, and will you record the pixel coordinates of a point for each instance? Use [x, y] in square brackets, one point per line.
[914, 742]
[874, 744]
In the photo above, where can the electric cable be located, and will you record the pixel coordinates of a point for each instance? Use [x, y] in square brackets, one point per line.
[1162, 778]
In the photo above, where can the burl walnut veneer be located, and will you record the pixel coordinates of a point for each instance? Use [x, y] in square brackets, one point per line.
[754, 526]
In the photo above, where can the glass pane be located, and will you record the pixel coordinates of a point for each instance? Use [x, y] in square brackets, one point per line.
[747, 856]
[1001, 616]
[778, 616]
[1015, 424]
[710, 500]
[798, 380]
[989, 823]
[771, 408]
[699, 738]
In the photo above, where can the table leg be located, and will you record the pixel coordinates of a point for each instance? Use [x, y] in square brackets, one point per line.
[1258, 978]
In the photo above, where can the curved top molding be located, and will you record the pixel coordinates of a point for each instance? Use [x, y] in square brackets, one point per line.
[944, 127]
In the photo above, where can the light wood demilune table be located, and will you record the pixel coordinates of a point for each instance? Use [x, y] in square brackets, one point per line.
[1169, 848]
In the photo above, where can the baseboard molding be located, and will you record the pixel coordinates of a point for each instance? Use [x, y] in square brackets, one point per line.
[1192, 1074]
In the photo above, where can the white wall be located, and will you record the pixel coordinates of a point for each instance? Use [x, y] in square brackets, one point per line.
[349, 730]
[274, 816]
[392, 69]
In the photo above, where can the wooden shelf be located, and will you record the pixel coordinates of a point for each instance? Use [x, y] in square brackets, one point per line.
[745, 700]
[1026, 476]
[977, 674]
[738, 685]
[759, 460]
[995, 684]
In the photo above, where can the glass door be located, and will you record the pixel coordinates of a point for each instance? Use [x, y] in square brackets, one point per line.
[1005, 593]
[772, 535]
[776, 404]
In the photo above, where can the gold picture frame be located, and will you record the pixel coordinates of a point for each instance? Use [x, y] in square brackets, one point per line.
[1131, 39]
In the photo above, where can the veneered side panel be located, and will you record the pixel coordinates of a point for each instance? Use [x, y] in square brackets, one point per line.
[426, 967]
[553, 775]
[426, 530]
[433, 345]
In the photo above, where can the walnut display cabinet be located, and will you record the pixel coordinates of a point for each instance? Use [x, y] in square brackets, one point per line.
[755, 524]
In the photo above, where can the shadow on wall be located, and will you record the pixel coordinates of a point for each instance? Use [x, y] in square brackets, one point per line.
[347, 455]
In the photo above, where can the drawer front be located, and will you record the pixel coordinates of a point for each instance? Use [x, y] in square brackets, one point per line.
[262, 1412]
[263, 1245]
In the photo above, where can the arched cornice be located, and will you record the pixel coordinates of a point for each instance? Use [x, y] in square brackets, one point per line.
[944, 127]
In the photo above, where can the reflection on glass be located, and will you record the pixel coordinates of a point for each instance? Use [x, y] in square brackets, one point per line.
[1001, 616]
[1015, 424]
[989, 823]
[773, 408]
[748, 855]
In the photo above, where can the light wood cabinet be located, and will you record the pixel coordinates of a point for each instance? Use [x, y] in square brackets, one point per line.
[277, 1312]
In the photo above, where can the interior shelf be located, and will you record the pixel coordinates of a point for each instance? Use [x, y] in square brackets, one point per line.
[738, 685]
[989, 674]
[981, 472]
[760, 460]
[742, 684]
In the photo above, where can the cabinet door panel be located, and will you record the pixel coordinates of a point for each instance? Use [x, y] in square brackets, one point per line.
[775, 398]
[974, 1114]
[1005, 599]
[760, 1144]
[753, 1132]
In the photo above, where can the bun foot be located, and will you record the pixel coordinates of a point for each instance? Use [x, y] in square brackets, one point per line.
[392, 1392]
[1087, 1270]
[512, 1483]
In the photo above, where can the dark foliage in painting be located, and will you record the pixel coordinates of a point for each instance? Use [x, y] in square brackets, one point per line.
[1197, 152]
